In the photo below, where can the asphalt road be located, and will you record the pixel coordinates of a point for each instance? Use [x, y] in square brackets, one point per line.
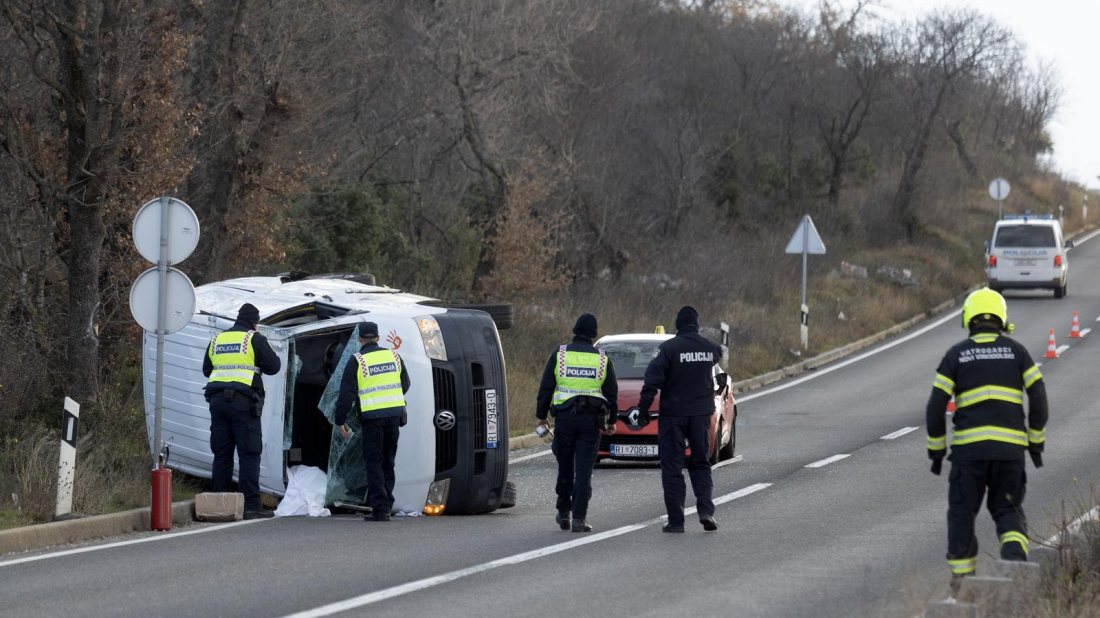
[860, 535]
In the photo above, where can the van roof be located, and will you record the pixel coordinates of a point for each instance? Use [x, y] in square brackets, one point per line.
[271, 295]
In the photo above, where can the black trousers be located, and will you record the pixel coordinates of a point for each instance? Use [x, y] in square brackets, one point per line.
[379, 453]
[672, 433]
[233, 427]
[1007, 484]
[576, 442]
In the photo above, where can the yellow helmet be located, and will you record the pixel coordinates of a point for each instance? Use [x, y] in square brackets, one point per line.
[986, 304]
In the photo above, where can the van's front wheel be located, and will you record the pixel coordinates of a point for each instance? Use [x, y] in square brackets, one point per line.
[508, 500]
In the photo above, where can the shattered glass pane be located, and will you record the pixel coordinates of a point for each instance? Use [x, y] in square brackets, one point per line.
[347, 474]
[288, 414]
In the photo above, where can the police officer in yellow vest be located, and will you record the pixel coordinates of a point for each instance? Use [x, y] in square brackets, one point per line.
[233, 363]
[579, 388]
[375, 382]
[987, 375]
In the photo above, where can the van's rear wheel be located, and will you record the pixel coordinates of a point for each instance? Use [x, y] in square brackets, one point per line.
[1061, 291]
[503, 315]
[508, 500]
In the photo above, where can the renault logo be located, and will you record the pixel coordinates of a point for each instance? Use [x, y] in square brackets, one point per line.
[445, 420]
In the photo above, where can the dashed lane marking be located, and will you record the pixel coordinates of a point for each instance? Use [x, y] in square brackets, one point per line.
[826, 461]
[1062, 348]
[727, 462]
[526, 457]
[899, 433]
[429, 582]
[1086, 331]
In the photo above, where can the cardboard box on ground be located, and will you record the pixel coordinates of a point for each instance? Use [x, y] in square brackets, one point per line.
[219, 506]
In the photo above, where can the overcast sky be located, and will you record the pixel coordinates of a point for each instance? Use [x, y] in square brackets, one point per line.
[1066, 32]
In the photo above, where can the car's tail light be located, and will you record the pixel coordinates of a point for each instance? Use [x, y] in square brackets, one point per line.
[1057, 261]
[993, 260]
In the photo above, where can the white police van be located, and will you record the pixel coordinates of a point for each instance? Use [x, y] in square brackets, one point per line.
[1028, 252]
[453, 453]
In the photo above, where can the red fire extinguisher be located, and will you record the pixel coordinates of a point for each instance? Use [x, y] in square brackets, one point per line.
[160, 517]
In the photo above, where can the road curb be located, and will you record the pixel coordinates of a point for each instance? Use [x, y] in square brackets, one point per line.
[40, 536]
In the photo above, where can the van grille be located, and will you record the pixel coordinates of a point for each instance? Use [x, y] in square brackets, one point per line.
[477, 417]
[446, 442]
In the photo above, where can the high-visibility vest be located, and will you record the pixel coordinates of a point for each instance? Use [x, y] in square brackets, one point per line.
[379, 381]
[579, 373]
[233, 358]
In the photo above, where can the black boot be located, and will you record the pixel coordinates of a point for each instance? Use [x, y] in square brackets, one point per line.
[564, 519]
[708, 524]
[581, 525]
[670, 528]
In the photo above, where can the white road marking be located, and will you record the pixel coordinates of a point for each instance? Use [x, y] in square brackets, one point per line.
[429, 582]
[162, 537]
[1091, 515]
[820, 372]
[899, 433]
[1085, 239]
[1086, 331]
[526, 457]
[1061, 348]
[727, 462]
[826, 461]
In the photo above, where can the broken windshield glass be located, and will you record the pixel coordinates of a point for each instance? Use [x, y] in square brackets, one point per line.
[347, 473]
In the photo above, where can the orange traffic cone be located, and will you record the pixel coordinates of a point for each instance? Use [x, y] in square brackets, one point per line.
[951, 406]
[1052, 349]
[1075, 330]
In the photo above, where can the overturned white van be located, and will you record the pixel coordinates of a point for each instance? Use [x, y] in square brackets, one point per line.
[453, 453]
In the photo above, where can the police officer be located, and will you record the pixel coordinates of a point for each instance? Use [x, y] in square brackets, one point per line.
[682, 371]
[580, 390]
[233, 363]
[375, 381]
[987, 375]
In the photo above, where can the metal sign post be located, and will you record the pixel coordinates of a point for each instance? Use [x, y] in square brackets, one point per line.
[1085, 209]
[165, 231]
[806, 241]
[998, 190]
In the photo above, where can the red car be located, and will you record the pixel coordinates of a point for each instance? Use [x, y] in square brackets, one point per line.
[631, 355]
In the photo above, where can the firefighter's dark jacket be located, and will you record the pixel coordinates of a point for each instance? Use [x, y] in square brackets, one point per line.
[349, 389]
[987, 374]
[610, 387]
[266, 360]
[682, 371]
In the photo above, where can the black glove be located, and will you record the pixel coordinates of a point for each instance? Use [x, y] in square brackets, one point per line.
[1036, 458]
[937, 466]
[404, 419]
[643, 418]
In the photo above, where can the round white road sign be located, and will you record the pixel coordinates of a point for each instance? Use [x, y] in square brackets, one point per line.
[998, 189]
[179, 300]
[183, 230]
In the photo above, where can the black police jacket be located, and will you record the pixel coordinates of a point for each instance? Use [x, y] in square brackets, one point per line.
[683, 372]
[609, 389]
[266, 359]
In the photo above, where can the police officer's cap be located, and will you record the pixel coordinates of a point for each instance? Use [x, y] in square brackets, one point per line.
[368, 329]
[248, 314]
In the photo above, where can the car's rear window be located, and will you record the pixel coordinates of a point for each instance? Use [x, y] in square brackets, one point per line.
[630, 357]
[1025, 236]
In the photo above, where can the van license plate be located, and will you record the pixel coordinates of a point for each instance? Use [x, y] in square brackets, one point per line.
[1025, 262]
[634, 450]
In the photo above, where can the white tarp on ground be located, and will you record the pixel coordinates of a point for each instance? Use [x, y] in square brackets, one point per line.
[305, 493]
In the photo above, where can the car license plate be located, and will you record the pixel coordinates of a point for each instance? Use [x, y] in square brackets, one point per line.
[1025, 262]
[634, 450]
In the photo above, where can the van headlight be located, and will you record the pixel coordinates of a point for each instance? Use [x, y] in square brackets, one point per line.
[437, 497]
[433, 338]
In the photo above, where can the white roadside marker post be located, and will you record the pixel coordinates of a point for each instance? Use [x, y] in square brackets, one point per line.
[806, 241]
[66, 467]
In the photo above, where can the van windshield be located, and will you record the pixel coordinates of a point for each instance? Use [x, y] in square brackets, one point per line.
[1025, 236]
[630, 357]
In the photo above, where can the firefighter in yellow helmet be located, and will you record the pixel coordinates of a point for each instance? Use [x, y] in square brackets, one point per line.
[987, 374]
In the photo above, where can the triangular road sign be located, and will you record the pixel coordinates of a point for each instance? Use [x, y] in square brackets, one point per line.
[806, 239]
